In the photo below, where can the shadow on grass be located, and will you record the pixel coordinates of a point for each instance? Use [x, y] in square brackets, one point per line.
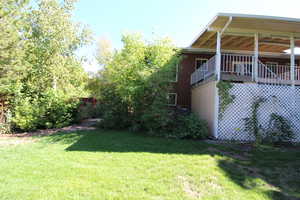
[278, 172]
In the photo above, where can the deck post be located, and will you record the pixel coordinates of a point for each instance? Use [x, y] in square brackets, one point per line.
[255, 70]
[218, 73]
[292, 47]
[218, 56]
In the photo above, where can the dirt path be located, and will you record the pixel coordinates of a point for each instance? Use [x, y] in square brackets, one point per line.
[85, 125]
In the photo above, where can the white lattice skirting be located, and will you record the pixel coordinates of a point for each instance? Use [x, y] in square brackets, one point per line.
[283, 100]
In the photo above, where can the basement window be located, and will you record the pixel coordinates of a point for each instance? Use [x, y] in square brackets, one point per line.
[172, 99]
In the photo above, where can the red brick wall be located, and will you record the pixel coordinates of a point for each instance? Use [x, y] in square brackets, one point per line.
[183, 86]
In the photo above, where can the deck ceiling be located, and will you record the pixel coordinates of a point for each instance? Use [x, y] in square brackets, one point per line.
[274, 33]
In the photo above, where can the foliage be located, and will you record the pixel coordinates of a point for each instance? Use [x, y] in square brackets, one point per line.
[87, 111]
[226, 99]
[12, 64]
[133, 88]
[252, 123]
[53, 39]
[4, 128]
[279, 129]
[190, 126]
[94, 84]
[51, 110]
[104, 53]
[39, 70]
[5, 124]
[115, 113]
[134, 83]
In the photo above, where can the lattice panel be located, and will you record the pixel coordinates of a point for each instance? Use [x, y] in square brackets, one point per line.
[283, 100]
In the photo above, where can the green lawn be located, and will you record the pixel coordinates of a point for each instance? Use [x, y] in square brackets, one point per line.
[122, 165]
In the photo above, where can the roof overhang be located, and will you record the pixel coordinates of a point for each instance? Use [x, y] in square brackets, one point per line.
[238, 32]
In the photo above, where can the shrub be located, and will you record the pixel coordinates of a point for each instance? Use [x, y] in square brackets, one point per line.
[115, 112]
[5, 128]
[51, 110]
[189, 126]
[88, 111]
[113, 120]
[26, 115]
[156, 119]
[279, 130]
[59, 113]
[5, 121]
[252, 124]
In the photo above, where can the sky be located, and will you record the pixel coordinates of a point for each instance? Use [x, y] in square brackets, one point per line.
[180, 20]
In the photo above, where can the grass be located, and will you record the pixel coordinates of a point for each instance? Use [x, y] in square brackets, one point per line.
[123, 165]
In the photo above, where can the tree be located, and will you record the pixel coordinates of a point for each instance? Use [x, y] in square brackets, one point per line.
[136, 81]
[12, 24]
[39, 65]
[104, 52]
[53, 39]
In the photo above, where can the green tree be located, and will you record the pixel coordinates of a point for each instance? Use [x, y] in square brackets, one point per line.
[104, 51]
[139, 77]
[133, 87]
[51, 77]
[53, 39]
[12, 25]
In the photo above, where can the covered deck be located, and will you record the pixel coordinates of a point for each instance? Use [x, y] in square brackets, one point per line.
[247, 37]
[240, 68]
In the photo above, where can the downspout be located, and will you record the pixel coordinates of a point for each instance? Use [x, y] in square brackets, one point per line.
[256, 52]
[292, 58]
[218, 72]
[292, 74]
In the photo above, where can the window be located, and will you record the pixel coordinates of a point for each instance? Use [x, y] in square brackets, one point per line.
[176, 74]
[172, 99]
[199, 62]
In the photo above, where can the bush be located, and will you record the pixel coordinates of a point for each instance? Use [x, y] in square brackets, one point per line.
[52, 110]
[115, 113]
[189, 126]
[5, 121]
[88, 111]
[26, 115]
[113, 120]
[279, 130]
[156, 119]
[5, 128]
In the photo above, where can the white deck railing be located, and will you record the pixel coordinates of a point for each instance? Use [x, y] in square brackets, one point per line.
[237, 64]
[243, 66]
[205, 71]
[266, 75]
